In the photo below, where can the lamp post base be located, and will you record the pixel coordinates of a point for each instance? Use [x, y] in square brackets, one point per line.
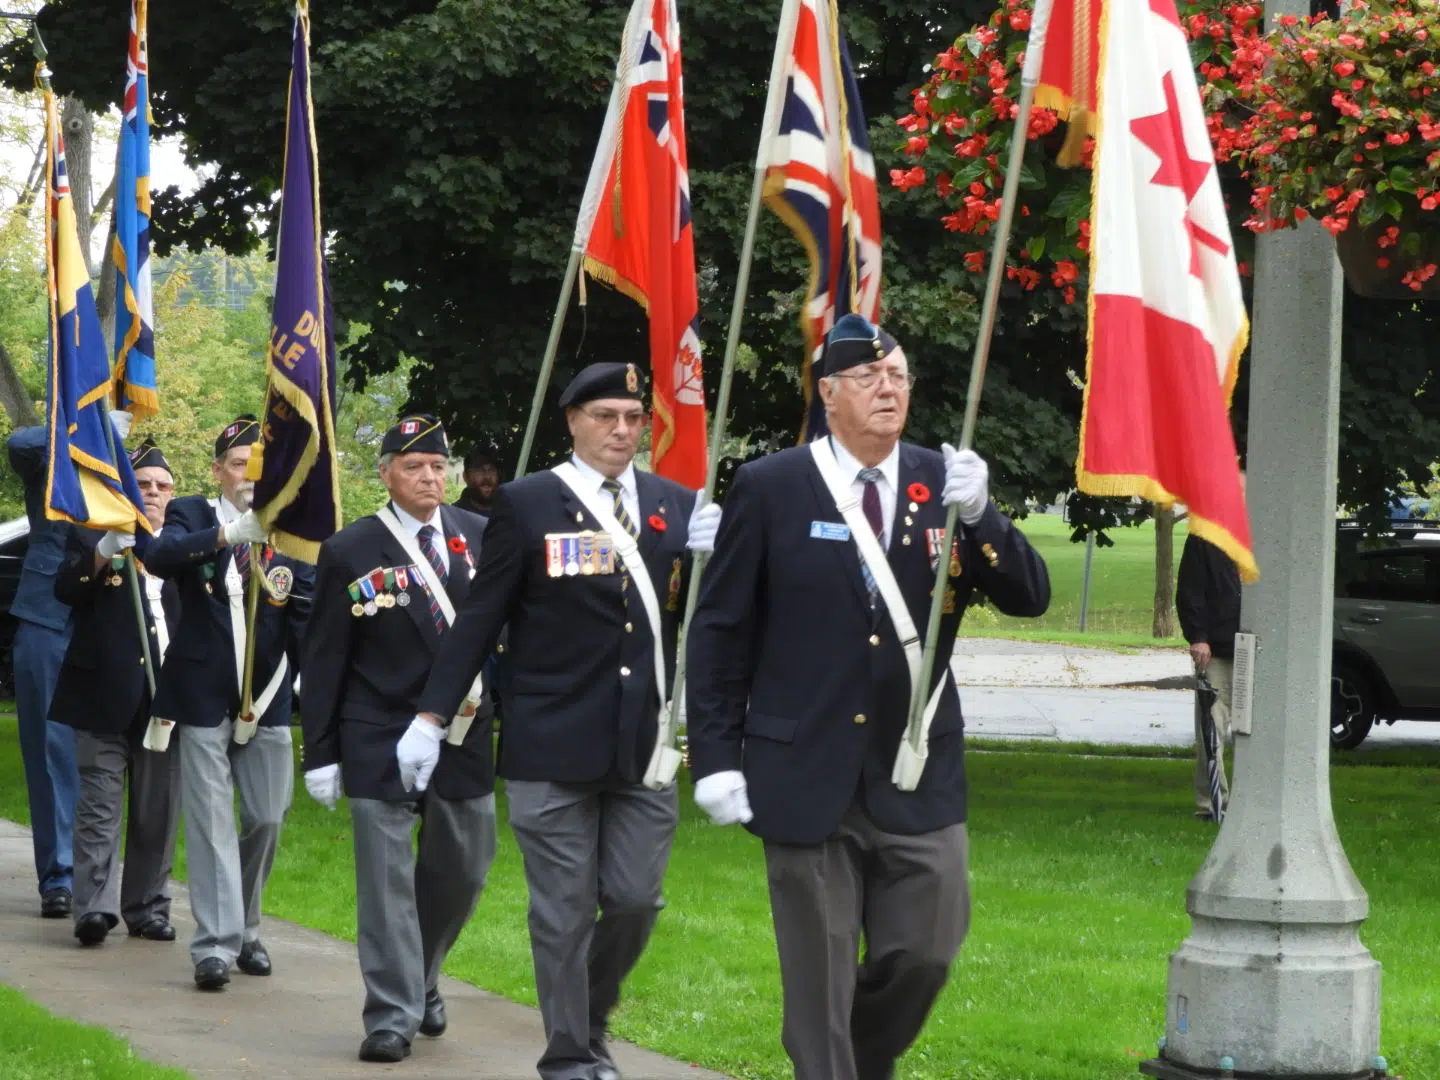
[1162, 1069]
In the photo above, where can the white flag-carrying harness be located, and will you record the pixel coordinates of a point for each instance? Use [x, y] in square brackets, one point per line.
[665, 759]
[910, 762]
[461, 721]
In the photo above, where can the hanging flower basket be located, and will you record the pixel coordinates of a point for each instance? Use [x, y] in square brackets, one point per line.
[1391, 260]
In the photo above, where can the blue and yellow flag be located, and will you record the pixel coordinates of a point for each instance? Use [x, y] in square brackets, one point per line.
[90, 481]
[296, 474]
[134, 318]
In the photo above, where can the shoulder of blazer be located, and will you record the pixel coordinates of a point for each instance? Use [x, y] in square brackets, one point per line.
[663, 485]
[193, 512]
[464, 521]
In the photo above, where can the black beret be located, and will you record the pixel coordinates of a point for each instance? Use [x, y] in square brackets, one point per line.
[603, 381]
[854, 340]
[242, 431]
[417, 433]
[148, 456]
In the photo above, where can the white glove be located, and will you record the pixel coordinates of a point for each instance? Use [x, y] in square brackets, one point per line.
[113, 542]
[324, 785]
[418, 752]
[967, 483]
[246, 529]
[704, 524]
[122, 421]
[722, 796]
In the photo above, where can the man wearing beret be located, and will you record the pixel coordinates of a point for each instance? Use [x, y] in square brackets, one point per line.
[377, 624]
[104, 696]
[211, 548]
[581, 701]
[800, 687]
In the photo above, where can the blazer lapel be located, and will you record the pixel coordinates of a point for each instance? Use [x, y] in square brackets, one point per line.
[652, 505]
[906, 531]
[847, 552]
[458, 583]
[419, 607]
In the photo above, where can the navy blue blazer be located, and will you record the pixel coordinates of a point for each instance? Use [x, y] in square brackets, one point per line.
[364, 673]
[579, 701]
[102, 687]
[792, 677]
[198, 684]
[35, 599]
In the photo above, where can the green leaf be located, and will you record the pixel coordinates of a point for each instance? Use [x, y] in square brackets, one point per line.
[1036, 244]
[1403, 179]
[1370, 211]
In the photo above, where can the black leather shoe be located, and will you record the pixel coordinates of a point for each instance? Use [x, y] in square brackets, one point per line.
[155, 928]
[55, 904]
[384, 1046]
[434, 1022]
[212, 973]
[91, 929]
[253, 960]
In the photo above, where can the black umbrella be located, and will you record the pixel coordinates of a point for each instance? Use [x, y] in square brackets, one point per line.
[1205, 698]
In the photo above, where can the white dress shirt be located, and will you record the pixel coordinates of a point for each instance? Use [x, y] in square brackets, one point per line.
[629, 492]
[153, 587]
[888, 484]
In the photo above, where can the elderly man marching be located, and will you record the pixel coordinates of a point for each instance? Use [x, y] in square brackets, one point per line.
[206, 549]
[385, 595]
[587, 563]
[104, 696]
[799, 692]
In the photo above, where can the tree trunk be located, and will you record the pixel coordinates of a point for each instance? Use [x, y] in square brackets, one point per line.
[105, 298]
[12, 393]
[1163, 625]
[79, 128]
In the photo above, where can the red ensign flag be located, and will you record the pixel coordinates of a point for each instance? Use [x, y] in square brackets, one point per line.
[636, 232]
[1167, 318]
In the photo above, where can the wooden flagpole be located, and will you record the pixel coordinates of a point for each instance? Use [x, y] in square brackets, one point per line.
[915, 733]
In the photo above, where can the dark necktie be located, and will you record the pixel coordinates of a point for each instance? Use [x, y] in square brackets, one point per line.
[242, 562]
[626, 523]
[437, 563]
[870, 503]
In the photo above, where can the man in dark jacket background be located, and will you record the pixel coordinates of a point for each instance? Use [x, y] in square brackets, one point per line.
[1207, 599]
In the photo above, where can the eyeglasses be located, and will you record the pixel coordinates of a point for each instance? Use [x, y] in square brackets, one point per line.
[868, 380]
[608, 417]
[151, 485]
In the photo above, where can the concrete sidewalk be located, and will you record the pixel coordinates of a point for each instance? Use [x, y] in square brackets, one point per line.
[302, 1022]
[982, 661]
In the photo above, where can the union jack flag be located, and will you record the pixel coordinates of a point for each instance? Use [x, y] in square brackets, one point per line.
[820, 180]
[636, 234]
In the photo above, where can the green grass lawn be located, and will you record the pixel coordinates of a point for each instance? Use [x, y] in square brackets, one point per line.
[1079, 866]
[1122, 588]
[34, 1045]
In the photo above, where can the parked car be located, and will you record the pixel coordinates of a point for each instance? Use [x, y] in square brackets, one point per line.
[14, 540]
[1386, 651]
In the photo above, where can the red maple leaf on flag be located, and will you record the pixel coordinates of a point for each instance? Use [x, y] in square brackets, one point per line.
[1163, 135]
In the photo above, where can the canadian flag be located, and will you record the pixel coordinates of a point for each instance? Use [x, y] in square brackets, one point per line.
[1167, 318]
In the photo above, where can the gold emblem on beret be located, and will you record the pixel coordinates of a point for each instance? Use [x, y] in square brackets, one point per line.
[632, 378]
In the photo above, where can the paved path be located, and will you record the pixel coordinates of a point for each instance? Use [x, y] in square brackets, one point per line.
[302, 1022]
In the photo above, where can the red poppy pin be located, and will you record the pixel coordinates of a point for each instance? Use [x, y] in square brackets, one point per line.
[656, 522]
[457, 545]
[918, 493]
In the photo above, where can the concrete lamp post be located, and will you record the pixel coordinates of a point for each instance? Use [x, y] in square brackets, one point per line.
[1273, 980]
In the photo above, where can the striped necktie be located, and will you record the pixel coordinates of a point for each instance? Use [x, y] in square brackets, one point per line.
[242, 562]
[437, 563]
[870, 503]
[626, 522]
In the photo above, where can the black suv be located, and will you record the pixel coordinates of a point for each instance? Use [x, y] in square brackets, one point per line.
[1386, 652]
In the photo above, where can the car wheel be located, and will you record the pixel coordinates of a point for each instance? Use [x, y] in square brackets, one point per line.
[1352, 708]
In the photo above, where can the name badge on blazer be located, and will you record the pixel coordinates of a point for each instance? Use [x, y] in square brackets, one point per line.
[829, 530]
